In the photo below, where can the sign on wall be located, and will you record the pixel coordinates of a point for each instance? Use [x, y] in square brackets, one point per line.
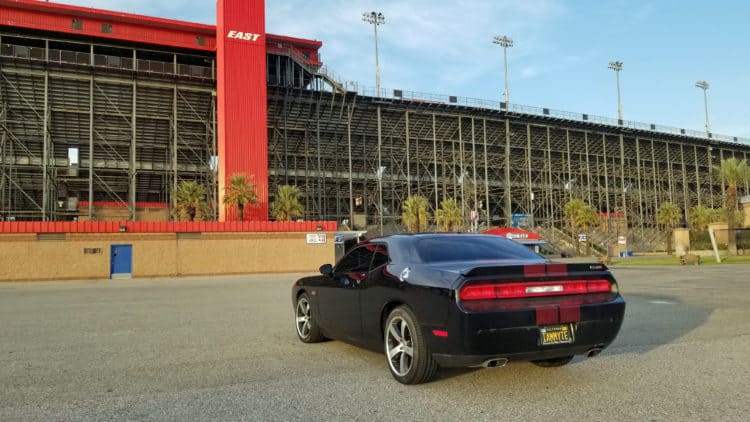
[316, 238]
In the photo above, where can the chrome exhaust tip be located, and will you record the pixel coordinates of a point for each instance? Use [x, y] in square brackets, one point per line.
[495, 363]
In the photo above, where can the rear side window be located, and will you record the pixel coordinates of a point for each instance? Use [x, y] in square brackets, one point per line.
[357, 260]
[471, 248]
[363, 259]
[380, 257]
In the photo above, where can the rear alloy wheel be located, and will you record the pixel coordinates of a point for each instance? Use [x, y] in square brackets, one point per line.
[307, 329]
[409, 358]
[552, 363]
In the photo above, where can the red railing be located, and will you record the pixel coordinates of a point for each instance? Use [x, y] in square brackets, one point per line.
[164, 226]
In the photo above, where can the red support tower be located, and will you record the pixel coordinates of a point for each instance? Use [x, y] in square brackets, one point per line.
[241, 97]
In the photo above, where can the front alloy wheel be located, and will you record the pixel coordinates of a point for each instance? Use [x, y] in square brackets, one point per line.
[307, 330]
[409, 358]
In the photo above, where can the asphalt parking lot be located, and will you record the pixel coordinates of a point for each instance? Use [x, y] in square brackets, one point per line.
[225, 348]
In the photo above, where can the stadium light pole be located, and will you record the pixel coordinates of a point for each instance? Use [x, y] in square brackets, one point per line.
[375, 18]
[617, 67]
[505, 42]
[704, 86]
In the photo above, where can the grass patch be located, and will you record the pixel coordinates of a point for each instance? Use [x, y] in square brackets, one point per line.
[673, 260]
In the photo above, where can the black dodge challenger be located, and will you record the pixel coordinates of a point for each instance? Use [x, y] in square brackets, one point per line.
[446, 300]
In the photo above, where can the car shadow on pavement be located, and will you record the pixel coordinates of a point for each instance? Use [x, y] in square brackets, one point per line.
[654, 320]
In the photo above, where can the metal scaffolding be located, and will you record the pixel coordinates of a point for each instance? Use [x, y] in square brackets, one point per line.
[100, 123]
[497, 162]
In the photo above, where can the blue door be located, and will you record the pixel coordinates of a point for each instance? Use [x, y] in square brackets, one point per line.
[121, 261]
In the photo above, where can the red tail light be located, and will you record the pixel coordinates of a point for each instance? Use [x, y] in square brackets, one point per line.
[516, 290]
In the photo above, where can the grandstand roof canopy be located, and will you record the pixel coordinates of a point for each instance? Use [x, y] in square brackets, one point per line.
[45, 16]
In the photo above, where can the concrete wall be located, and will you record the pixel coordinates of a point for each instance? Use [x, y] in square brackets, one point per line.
[721, 232]
[25, 257]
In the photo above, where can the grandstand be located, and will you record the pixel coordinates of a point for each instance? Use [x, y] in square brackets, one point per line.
[503, 162]
[88, 120]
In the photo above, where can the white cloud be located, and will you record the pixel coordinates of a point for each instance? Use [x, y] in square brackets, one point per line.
[423, 44]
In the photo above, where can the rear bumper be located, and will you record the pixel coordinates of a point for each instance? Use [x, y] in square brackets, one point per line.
[455, 361]
[514, 334]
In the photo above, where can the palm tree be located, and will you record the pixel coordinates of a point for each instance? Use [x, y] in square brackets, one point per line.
[286, 205]
[240, 192]
[700, 217]
[579, 215]
[415, 215]
[732, 171]
[719, 215]
[449, 217]
[190, 199]
[668, 215]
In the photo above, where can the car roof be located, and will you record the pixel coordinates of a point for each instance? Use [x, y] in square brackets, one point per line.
[408, 237]
[402, 245]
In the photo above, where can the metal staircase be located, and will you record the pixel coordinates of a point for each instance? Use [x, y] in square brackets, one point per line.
[322, 72]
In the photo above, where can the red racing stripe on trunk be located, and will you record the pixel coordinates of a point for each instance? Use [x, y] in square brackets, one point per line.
[547, 315]
[570, 313]
[534, 270]
[557, 269]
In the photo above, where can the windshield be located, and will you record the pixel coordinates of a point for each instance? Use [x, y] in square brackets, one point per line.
[471, 248]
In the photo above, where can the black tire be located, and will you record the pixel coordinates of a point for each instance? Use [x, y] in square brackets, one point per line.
[401, 335]
[305, 325]
[553, 363]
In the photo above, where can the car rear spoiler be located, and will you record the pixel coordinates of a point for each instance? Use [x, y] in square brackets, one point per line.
[552, 269]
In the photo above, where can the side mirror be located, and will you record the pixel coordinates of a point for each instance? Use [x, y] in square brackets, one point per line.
[326, 269]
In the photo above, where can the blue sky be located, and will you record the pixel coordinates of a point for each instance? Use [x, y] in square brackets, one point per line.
[559, 59]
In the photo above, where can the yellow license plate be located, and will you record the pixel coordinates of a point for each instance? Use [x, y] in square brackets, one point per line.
[556, 334]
